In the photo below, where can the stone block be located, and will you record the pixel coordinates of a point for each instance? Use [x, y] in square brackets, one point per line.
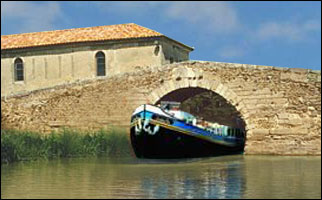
[219, 88]
[289, 131]
[224, 91]
[172, 85]
[186, 82]
[193, 83]
[259, 134]
[155, 96]
[291, 122]
[294, 77]
[164, 90]
[283, 115]
[299, 70]
[214, 85]
[231, 95]
[206, 84]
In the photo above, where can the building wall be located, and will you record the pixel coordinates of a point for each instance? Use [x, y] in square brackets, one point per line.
[172, 51]
[41, 71]
[51, 66]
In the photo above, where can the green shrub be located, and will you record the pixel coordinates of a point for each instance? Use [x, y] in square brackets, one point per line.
[23, 146]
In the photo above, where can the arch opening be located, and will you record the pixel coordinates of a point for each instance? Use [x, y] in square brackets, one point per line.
[206, 104]
[217, 116]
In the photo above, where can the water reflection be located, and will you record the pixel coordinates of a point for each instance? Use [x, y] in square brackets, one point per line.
[207, 182]
[220, 177]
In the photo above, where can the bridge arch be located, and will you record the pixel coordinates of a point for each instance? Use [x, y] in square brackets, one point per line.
[196, 82]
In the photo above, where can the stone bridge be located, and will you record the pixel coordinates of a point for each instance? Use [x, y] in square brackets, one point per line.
[280, 107]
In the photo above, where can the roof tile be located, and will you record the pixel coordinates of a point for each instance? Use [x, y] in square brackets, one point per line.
[98, 33]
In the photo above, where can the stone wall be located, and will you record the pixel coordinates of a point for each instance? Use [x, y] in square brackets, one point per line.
[281, 107]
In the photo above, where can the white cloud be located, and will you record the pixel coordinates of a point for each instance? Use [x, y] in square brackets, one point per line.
[312, 25]
[31, 16]
[215, 16]
[218, 18]
[289, 31]
[133, 8]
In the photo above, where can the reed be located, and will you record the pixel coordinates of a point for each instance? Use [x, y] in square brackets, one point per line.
[26, 146]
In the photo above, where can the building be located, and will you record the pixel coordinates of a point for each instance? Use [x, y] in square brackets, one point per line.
[33, 61]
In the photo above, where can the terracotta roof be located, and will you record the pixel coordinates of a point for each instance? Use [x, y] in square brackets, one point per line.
[98, 33]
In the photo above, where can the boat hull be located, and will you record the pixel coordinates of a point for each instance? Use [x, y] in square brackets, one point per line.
[171, 143]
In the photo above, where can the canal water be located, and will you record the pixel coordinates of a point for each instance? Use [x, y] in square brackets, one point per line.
[237, 176]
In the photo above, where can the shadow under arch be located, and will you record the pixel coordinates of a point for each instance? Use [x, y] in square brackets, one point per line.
[206, 104]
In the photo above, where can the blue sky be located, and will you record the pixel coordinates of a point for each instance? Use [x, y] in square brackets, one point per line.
[285, 34]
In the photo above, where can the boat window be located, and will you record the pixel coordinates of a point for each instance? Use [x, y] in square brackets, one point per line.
[239, 133]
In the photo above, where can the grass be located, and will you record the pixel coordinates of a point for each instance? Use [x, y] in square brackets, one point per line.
[26, 146]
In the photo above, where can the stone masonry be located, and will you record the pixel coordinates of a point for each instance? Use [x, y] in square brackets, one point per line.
[281, 107]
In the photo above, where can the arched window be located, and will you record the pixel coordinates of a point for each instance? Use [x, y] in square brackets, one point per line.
[157, 50]
[100, 64]
[18, 70]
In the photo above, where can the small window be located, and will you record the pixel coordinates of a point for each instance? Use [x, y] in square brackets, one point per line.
[238, 133]
[100, 64]
[229, 131]
[18, 70]
[156, 50]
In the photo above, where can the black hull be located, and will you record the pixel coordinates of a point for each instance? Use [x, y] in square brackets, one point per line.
[172, 144]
